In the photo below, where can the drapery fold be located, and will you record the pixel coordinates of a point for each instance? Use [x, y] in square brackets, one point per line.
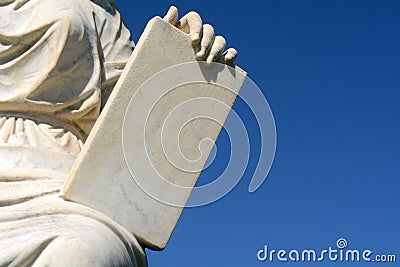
[57, 57]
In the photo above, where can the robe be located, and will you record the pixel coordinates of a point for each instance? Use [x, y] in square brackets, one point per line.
[59, 59]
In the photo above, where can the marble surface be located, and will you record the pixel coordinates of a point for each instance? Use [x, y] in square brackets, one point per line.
[59, 62]
[137, 167]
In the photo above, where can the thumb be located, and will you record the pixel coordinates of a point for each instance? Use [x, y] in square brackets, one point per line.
[172, 15]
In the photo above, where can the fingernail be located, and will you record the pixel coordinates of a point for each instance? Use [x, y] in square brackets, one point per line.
[199, 56]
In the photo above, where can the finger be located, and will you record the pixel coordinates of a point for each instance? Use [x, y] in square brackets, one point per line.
[192, 23]
[172, 15]
[206, 41]
[230, 55]
[216, 49]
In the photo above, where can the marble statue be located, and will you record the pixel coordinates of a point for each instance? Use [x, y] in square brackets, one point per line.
[149, 175]
[59, 60]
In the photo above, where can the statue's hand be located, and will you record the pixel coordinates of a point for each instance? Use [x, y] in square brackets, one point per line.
[208, 46]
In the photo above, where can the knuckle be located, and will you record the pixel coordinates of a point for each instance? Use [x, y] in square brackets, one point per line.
[233, 51]
[220, 39]
[193, 14]
[208, 29]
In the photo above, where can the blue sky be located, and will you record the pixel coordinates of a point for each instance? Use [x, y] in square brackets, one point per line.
[331, 73]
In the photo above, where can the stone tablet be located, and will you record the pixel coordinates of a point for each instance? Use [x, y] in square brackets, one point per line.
[146, 150]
